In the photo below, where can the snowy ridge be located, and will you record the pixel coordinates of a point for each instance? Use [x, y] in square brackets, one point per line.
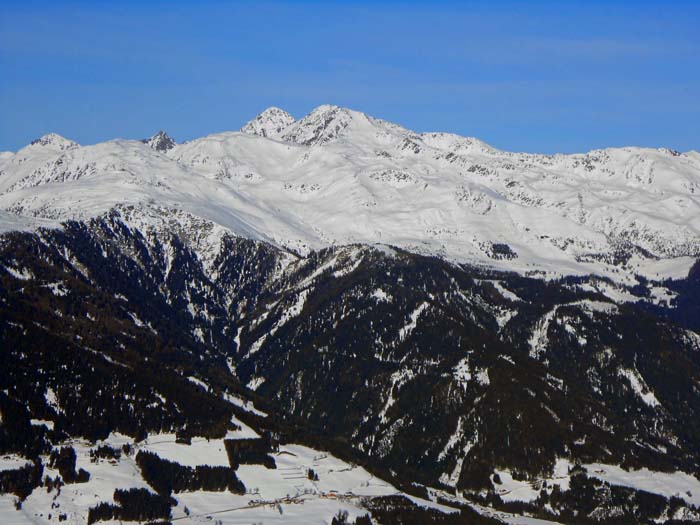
[53, 141]
[338, 176]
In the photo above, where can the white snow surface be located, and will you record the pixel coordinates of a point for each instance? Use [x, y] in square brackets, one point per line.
[341, 486]
[244, 404]
[338, 176]
[201, 451]
[514, 490]
[668, 484]
[406, 330]
[511, 519]
[640, 387]
[12, 462]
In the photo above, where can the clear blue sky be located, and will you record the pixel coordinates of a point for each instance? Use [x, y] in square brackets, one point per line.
[529, 76]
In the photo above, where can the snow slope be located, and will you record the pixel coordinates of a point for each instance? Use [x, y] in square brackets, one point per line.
[338, 176]
[281, 495]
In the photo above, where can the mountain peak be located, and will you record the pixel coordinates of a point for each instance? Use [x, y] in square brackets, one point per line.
[269, 123]
[54, 141]
[326, 108]
[324, 124]
[161, 141]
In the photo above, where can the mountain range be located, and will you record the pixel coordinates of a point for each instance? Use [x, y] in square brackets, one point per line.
[469, 335]
[338, 176]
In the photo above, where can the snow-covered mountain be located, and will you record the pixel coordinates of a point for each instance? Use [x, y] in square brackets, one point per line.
[340, 314]
[269, 123]
[338, 176]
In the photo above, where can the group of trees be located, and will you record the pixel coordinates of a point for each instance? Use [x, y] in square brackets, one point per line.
[17, 434]
[133, 505]
[400, 510]
[589, 500]
[167, 477]
[63, 460]
[22, 481]
[341, 518]
[249, 452]
[104, 452]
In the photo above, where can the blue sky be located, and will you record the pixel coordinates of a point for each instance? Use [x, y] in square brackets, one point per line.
[526, 76]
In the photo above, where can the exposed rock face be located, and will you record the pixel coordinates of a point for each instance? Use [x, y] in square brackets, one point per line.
[161, 141]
